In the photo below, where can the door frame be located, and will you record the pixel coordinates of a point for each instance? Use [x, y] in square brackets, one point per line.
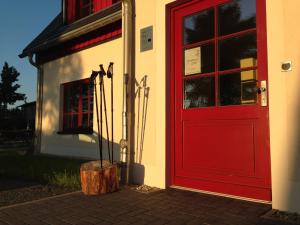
[171, 9]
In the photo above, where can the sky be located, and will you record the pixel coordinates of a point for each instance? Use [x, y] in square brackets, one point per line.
[20, 22]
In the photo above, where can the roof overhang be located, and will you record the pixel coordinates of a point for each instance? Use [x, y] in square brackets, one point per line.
[77, 29]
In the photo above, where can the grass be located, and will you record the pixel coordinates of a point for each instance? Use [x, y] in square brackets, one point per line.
[41, 168]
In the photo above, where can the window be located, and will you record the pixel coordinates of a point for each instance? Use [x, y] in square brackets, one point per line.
[77, 107]
[220, 55]
[85, 8]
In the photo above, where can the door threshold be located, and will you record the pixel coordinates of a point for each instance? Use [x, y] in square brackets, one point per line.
[222, 195]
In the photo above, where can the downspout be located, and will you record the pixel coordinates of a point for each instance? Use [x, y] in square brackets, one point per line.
[63, 6]
[39, 105]
[126, 143]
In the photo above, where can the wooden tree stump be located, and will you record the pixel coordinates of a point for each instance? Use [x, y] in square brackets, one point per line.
[97, 181]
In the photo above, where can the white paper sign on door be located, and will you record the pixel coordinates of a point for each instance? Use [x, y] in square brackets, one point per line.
[192, 61]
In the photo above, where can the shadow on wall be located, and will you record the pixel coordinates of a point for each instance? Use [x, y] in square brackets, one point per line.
[293, 196]
[141, 98]
[92, 142]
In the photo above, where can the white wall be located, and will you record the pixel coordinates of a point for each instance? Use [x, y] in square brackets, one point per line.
[284, 44]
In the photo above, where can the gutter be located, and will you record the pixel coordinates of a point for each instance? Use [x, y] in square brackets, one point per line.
[128, 98]
[39, 105]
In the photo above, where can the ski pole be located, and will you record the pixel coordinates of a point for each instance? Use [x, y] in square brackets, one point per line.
[110, 73]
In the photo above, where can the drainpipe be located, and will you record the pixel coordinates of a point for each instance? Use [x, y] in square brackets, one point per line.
[39, 104]
[63, 6]
[128, 51]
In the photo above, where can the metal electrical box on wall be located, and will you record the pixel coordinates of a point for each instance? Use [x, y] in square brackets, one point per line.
[146, 39]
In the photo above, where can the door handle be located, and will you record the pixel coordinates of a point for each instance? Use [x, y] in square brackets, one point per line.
[263, 92]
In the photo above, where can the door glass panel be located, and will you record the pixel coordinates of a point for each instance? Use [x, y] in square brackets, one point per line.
[237, 16]
[238, 52]
[199, 92]
[238, 88]
[199, 27]
[199, 60]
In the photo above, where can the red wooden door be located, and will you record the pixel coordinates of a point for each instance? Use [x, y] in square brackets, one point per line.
[220, 122]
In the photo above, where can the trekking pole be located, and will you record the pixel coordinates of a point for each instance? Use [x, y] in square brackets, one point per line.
[105, 111]
[110, 73]
[93, 78]
[144, 116]
[101, 120]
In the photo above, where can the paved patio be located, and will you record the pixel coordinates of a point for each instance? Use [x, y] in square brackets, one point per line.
[132, 207]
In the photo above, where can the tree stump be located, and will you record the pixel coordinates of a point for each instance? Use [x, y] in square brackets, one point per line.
[97, 181]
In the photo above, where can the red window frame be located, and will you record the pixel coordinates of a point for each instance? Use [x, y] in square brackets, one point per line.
[73, 109]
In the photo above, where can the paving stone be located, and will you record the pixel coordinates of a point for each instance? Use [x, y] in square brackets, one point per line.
[130, 207]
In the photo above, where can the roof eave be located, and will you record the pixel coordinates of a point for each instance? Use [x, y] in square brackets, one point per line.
[99, 23]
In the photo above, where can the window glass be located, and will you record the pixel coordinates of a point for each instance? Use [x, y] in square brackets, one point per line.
[238, 52]
[237, 16]
[238, 88]
[86, 8]
[199, 27]
[199, 92]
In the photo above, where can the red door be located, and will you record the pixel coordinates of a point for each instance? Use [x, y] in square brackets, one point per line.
[218, 89]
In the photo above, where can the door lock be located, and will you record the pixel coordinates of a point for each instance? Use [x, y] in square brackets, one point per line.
[263, 92]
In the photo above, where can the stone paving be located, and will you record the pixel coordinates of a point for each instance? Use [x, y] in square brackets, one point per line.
[131, 207]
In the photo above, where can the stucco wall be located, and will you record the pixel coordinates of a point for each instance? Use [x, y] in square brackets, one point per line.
[151, 153]
[284, 44]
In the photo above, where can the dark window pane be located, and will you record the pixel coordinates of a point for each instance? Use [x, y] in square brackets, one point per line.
[199, 27]
[87, 8]
[91, 121]
[91, 104]
[238, 88]
[84, 2]
[85, 105]
[85, 90]
[199, 92]
[67, 122]
[237, 16]
[85, 11]
[85, 120]
[206, 58]
[91, 89]
[74, 121]
[238, 52]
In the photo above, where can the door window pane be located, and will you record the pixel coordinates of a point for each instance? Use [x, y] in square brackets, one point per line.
[238, 88]
[238, 52]
[199, 92]
[237, 16]
[200, 59]
[199, 27]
